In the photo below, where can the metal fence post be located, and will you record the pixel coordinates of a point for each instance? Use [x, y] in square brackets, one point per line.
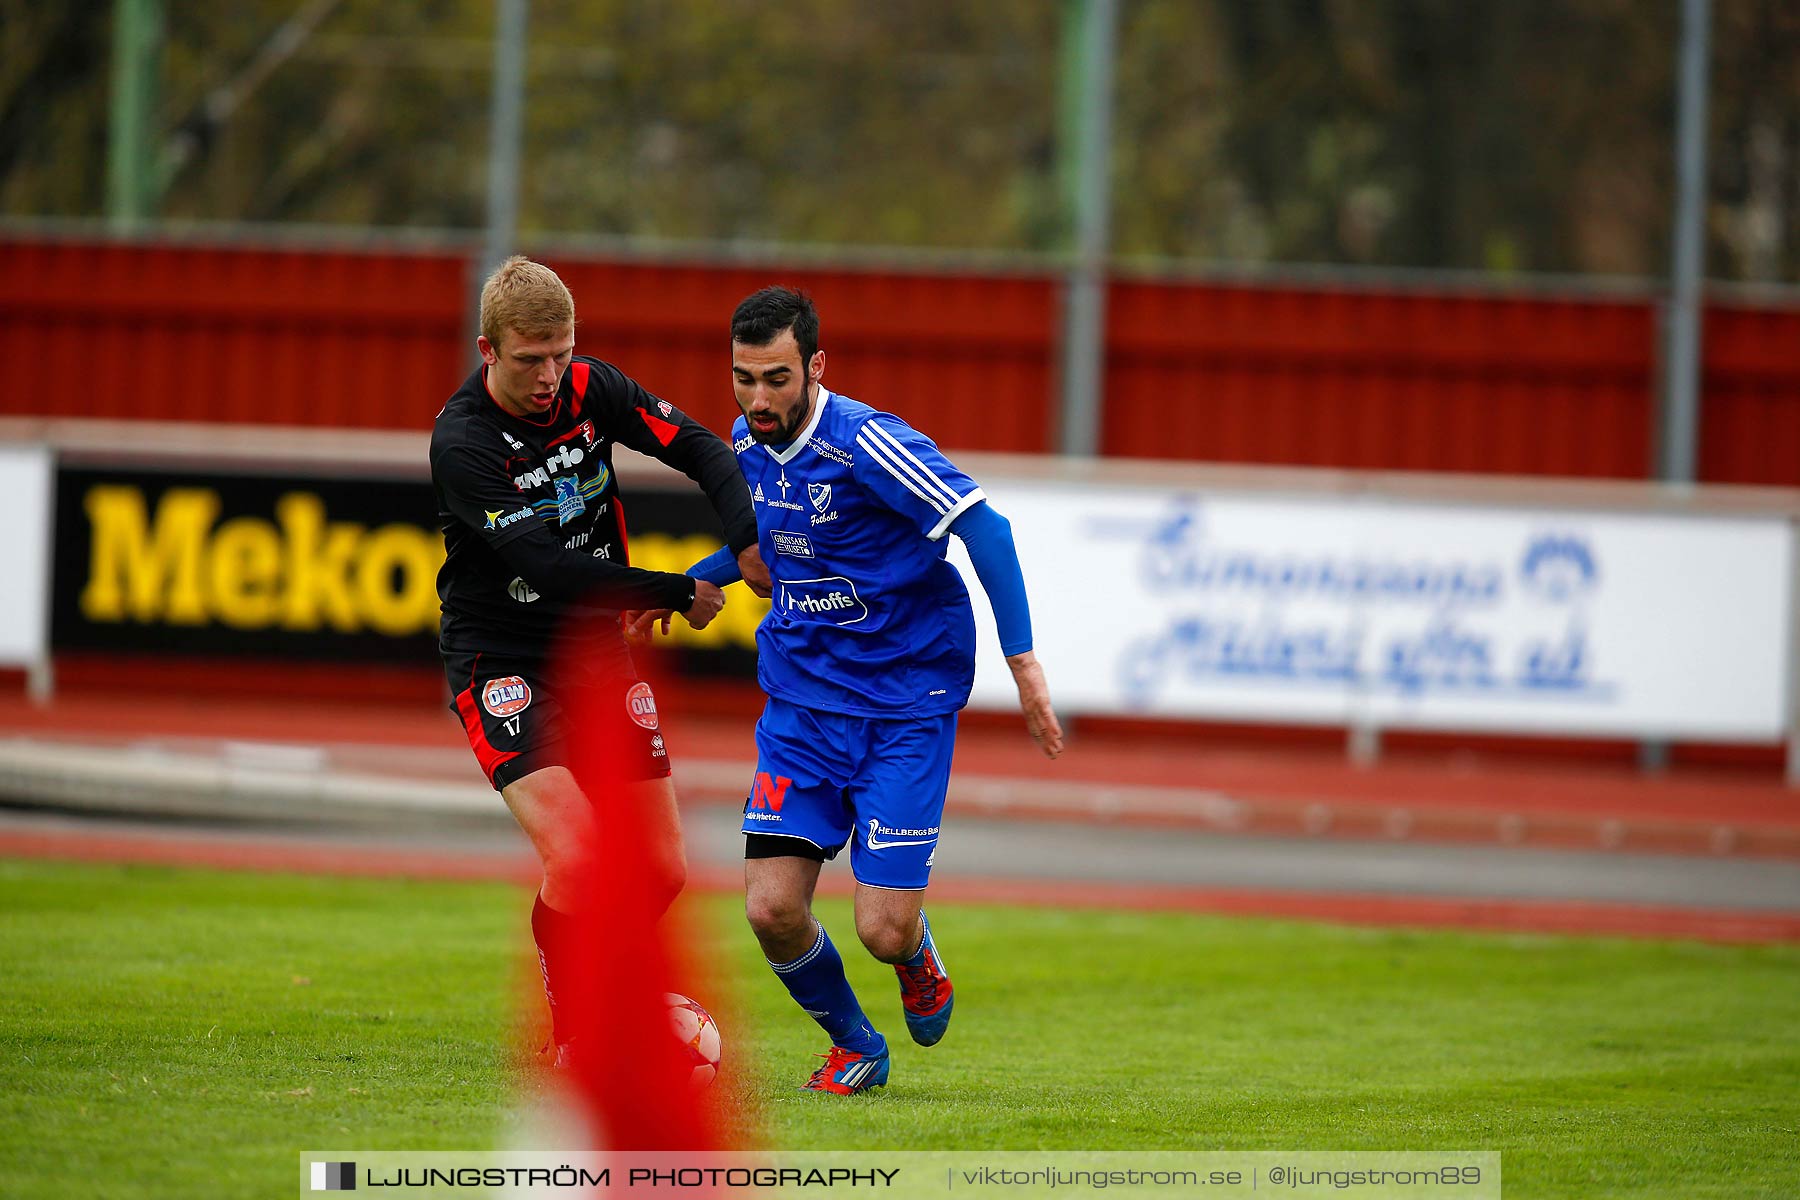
[1090, 33]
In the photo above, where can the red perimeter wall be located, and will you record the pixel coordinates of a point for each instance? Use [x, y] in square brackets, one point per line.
[1451, 380]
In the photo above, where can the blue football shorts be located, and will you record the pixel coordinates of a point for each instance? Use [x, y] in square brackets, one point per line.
[878, 784]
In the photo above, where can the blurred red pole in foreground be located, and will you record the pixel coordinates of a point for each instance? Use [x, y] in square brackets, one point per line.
[632, 1076]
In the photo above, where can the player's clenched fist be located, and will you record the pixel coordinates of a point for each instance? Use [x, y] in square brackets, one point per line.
[708, 600]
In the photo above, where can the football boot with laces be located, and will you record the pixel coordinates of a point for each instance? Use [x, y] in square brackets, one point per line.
[846, 1072]
[925, 992]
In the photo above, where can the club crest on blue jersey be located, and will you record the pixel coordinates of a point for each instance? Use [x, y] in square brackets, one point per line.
[820, 495]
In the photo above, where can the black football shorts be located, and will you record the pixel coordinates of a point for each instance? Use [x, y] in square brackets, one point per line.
[517, 723]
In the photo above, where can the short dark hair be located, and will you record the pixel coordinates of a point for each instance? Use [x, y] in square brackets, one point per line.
[761, 317]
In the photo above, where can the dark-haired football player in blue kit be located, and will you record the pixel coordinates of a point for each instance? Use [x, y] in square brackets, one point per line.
[866, 656]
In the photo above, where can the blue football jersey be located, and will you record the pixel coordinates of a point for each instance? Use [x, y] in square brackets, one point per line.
[867, 618]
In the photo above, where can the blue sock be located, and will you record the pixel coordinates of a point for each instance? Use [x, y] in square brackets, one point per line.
[816, 982]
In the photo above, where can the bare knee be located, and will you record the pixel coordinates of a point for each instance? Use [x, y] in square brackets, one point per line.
[778, 918]
[554, 814]
[571, 875]
[571, 861]
[890, 937]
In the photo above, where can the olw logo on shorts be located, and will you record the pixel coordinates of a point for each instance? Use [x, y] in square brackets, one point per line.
[640, 705]
[768, 793]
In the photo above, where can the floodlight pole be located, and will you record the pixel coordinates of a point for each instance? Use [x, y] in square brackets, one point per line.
[506, 115]
[1090, 34]
[132, 145]
[1678, 436]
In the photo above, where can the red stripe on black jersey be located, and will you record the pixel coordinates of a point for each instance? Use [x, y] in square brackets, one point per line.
[661, 429]
[578, 381]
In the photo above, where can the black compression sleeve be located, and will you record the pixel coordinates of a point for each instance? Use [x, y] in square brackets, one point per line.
[566, 575]
[653, 426]
[716, 471]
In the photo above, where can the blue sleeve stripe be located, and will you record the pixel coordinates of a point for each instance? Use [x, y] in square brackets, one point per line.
[905, 467]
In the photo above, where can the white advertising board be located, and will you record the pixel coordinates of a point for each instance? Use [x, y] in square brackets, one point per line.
[1360, 609]
[25, 548]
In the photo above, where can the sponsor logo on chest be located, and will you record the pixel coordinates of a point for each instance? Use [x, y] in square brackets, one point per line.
[832, 599]
[569, 501]
[794, 545]
[566, 457]
[782, 501]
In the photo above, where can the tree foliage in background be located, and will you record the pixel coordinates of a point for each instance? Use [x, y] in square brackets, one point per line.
[53, 76]
[1415, 133]
[1495, 135]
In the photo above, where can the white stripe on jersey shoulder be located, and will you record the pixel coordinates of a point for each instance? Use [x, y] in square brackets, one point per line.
[911, 480]
[962, 506]
[785, 457]
[907, 457]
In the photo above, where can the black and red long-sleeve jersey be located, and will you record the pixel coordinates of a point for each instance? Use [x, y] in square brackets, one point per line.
[530, 507]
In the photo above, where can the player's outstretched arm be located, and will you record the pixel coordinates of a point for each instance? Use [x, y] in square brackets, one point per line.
[988, 537]
[722, 567]
[473, 483]
[653, 426]
[1034, 702]
[639, 623]
[562, 574]
[711, 574]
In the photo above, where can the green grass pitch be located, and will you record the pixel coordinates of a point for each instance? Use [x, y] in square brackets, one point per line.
[178, 1033]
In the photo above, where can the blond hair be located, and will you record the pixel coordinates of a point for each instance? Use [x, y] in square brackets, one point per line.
[526, 297]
